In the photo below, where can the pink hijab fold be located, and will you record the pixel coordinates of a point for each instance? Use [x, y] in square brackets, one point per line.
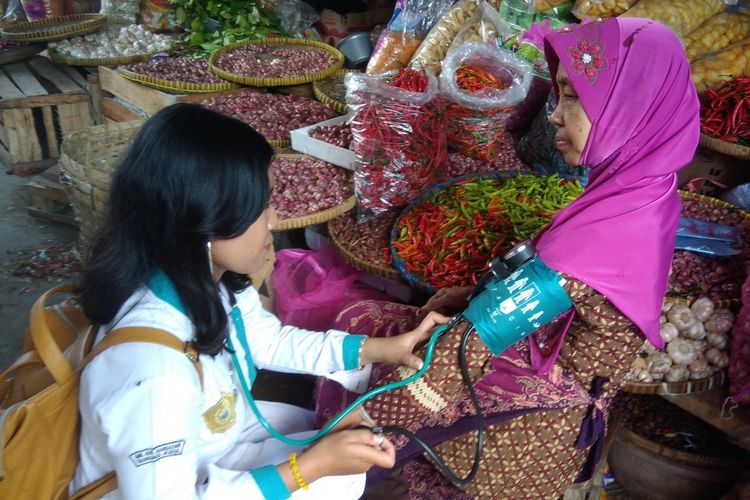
[633, 80]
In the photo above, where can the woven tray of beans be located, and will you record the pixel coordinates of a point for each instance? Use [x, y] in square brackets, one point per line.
[447, 236]
[276, 61]
[332, 90]
[309, 191]
[366, 245]
[273, 115]
[180, 74]
[719, 279]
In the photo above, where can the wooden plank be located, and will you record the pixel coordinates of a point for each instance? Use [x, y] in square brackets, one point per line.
[53, 216]
[96, 93]
[43, 100]
[5, 158]
[147, 99]
[74, 117]
[708, 405]
[54, 75]
[25, 80]
[199, 98]
[41, 188]
[24, 168]
[3, 134]
[23, 143]
[51, 132]
[8, 90]
[118, 112]
[74, 75]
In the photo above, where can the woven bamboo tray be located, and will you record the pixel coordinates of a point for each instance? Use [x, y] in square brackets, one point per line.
[87, 160]
[338, 106]
[382, 271]
[55, 28]
[676, 388]
[273, 82]
[15, 54]
[98, 61]
[174, 86]
[318, 217]
[728, 148]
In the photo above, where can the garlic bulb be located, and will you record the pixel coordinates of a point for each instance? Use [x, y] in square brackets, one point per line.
[677, 373]
[702, 308]
[701, 373]
[717, 358]
[696, 331]
[720, 321]
[699, 345]
[681, 351]
[700, 363]
[659, 363]
[663, 319]
[718, 340]
[681, 316]
[666, 306]
[668, 332]
[640, 363]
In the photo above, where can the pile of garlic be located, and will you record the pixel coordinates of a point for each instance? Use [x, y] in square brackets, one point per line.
[696, 340]
[113, 41]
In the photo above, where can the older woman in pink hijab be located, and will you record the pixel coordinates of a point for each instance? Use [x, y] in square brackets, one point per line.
[627, 109]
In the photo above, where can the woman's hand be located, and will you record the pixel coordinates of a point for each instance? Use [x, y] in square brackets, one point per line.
[345, 452]
[399, 350]
[449, 300]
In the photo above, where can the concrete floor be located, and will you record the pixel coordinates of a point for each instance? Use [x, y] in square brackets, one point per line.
[21, 234]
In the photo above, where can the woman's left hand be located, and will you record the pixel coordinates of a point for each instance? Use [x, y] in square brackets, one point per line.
[399, 350]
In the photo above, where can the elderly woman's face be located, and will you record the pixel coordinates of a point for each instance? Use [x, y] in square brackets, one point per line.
[573, 125]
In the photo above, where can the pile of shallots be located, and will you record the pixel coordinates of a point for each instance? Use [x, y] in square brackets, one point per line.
[306, 185]
[697, 339]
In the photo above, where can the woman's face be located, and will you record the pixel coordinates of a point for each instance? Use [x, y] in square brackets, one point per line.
[246, 253]
[573, 125]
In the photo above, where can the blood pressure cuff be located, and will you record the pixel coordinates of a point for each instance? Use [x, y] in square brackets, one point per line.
[508, 310]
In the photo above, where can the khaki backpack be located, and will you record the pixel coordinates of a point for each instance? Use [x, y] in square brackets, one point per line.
[39, 420]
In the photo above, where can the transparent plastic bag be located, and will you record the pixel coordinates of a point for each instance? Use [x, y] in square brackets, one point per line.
[719, 67]
[719, 32]
[488, 27]
[739, 196]
[295, 15]
[681, 16]
[42, 9]
[399, 141]
[521, 14]
[434, 48]
[14, 12]
[411, 21]
[476, 120]
[601, 8]
[121, 11]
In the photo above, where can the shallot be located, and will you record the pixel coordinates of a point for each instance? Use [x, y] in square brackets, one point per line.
[178, 69]
[274, 61]
[338, 135]
[305, 186]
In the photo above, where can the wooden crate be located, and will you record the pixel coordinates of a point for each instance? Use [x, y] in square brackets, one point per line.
[144, 98]
[40, 102]
[49, 200]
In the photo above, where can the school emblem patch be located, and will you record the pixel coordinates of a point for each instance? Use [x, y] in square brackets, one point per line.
[222, 415]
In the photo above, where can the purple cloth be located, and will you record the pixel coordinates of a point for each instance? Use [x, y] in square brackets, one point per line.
[633, 80]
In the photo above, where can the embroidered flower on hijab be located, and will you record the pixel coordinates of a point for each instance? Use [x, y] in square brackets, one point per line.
[587, 58]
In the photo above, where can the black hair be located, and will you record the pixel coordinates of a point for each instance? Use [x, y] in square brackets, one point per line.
[190, 175]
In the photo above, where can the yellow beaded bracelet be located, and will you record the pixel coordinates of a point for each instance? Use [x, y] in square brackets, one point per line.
[295, 472]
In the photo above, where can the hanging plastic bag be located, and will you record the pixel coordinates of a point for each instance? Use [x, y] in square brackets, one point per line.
[433, 49]
[477, 110]
[411, 21]
[14, 12]
[312, 286]
[601, 8]
[399, 140]
[121, 11]
[521, 14]
[486, 28]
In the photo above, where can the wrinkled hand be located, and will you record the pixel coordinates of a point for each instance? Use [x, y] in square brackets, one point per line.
[346, 452]
[448, 300]
[399, 350]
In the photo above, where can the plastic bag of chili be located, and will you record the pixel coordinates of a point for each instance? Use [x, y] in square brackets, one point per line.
[399, 138]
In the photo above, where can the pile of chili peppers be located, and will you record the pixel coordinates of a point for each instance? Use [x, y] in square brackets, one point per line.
[449, 239]
[400, 145]
[476, 133]
[725, 111]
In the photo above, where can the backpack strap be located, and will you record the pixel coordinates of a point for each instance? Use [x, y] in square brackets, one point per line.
[108, 482]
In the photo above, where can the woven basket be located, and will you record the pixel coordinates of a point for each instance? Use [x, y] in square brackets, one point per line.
[728, 148]
[176, 87]
[15, 54]
[55, 28]
[87, 160]
[97, 61]
[274, 82]
[316, 218]
[338, 106]
[382, 271]
[676, 388]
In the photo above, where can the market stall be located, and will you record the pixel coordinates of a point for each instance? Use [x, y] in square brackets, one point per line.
[419, 167]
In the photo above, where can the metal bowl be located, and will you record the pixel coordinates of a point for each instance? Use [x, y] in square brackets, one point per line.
[356, 49]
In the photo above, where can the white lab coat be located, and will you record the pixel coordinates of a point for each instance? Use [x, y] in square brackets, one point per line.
[145, 415]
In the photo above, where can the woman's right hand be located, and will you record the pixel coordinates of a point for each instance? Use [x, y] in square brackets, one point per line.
[449, 300]
[346, 452]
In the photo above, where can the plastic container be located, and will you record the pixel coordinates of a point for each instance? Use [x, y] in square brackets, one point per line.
[356, 49]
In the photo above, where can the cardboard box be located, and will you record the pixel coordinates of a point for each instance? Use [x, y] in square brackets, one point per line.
[710, 168]
[302, 142]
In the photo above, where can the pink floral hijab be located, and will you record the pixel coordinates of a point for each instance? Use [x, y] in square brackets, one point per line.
[633, 80]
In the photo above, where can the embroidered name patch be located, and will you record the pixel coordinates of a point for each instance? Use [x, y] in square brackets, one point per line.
[150, 455]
